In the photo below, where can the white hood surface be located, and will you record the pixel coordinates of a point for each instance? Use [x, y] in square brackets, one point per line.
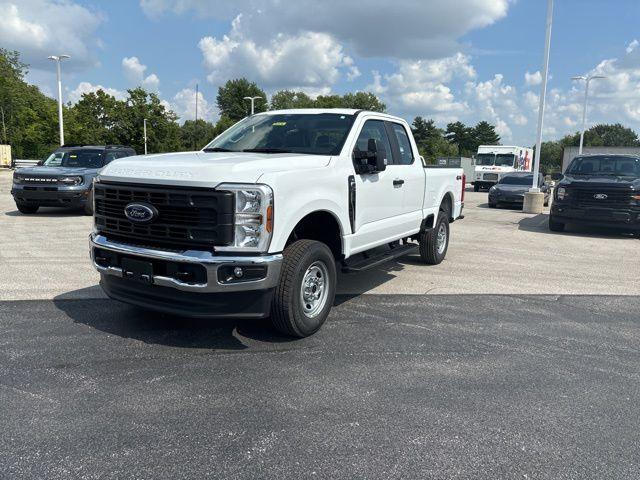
[206, 169]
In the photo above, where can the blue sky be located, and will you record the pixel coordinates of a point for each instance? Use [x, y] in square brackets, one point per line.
[465, 60]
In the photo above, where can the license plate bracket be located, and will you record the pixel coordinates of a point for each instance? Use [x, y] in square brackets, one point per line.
[137, 270]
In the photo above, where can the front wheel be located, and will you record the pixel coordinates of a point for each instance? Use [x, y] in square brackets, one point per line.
[435, 242]
[555, 226]
[27, 209]
[306, 291]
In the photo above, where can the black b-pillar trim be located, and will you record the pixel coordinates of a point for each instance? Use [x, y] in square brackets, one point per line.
[352, 203]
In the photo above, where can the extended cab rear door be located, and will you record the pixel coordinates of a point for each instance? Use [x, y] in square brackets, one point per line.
[384, 212]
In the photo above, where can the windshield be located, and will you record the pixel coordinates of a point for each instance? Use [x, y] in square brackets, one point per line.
[517, 180]
[505, 159]
[605, 165]
[485, 159]
[76, 158]
[315, 134]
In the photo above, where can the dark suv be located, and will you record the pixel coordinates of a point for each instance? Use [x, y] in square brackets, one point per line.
[65, 178]
[598, 190]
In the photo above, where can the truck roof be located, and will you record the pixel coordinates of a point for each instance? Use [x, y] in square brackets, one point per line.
[317, 111]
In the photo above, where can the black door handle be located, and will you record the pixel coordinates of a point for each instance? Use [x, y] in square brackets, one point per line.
[398, 183]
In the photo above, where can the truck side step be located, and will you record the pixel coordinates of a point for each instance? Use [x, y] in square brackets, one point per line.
[365, 261]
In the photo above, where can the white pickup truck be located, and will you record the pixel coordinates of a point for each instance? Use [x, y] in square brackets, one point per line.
[257, 223]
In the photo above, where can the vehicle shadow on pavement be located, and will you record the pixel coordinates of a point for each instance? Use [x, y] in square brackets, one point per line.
[126, 321]
[52, 212]
[540, 224]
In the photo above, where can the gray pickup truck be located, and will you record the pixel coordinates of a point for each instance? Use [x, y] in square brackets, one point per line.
[65, 178]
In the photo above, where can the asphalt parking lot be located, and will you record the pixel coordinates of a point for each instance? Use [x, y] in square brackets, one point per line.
[518, 357]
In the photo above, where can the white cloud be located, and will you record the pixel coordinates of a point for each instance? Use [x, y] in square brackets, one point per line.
[532, 79]
[184, 105]
[134, 72]
[419, 87]
[308, 61]
[632, 46]
[86, 87]
[416, 29]
[39, 28]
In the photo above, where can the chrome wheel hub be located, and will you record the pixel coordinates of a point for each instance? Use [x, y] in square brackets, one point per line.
[314, 289]
[441, 238]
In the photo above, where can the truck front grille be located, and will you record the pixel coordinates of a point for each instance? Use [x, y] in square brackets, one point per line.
[186, 217]
[604, 197]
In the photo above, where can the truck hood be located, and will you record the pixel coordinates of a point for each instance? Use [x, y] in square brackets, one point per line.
[56, 171]
[206, 169]
[600, 180]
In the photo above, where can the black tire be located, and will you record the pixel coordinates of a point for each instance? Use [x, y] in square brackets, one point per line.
[476, 187]
[27, 209]
[555, 226]
[88, 206]
[289, 314]
[492, 205]
[546, 203]
[430, 251]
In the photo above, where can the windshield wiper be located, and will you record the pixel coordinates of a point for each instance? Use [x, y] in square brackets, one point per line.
[268, 150]
[217, 149]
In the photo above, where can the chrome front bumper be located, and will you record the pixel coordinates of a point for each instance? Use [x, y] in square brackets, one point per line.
[208, 260]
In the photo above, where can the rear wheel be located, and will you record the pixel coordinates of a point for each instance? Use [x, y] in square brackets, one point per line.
[555, 226]
[476, 187]
[306, 291]
[435, 242]
[27, 209]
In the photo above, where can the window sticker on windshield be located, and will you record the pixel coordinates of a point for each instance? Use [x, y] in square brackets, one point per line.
[278, 124]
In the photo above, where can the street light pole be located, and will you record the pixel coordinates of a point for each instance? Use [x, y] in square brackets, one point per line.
[587, 80]
[253, 99]
[543, 95]
[144, 129]
[58, 59]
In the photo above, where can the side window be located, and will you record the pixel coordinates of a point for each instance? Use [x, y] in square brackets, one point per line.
[374, 129]
[404, 145]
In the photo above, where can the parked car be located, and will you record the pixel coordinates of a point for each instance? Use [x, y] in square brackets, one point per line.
[256, 223]
[598, 190]
[511, 188]
[65, 178]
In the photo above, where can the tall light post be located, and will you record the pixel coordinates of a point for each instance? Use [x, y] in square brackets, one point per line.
[253, 99]
[58, 59]
[534, 199]
[587, 80]
[144, 133]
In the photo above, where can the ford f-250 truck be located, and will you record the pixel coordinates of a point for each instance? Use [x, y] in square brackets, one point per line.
[256, 224]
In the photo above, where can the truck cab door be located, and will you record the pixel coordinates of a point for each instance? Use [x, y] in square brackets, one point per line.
[379, 196]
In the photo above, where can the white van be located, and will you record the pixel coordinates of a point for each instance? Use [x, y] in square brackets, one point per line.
[493, 161]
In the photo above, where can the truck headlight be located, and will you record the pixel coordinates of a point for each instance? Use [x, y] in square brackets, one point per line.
[72, 180]
[562, 193]
[253, 219]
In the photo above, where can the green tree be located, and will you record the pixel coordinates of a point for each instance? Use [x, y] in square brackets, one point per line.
[194, 135]
[550, 156]
[485, 134]
[431, 141]
[287, 99]
[604, 135]
[30, 118]
[163, 132]
[462, 137]
[363, 101]
[231, 102]
[92, 119]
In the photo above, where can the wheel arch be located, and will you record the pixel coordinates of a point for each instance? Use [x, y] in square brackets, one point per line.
[320, 225]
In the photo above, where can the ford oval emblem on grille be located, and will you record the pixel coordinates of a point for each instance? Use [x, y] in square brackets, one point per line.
[600, 196]
[140, 212]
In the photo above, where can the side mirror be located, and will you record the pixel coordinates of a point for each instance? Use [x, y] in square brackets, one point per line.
[40, 163]
[557, 176]
[373, 160]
